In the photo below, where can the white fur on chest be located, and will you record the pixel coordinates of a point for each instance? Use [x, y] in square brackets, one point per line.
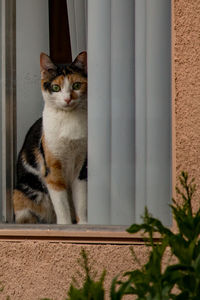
[62, 127]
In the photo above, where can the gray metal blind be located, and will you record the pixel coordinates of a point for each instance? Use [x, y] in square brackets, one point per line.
[153, 107]
[111, 112]
[129, 107]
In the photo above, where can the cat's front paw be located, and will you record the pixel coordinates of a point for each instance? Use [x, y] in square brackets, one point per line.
[82, 222]
[63, 221]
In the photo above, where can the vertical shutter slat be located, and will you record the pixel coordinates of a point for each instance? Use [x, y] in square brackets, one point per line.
[122, 113]
[99, 105]
[158, 72]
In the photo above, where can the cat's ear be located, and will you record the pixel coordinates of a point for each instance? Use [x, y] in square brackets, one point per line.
[81, 61]
[47, 67]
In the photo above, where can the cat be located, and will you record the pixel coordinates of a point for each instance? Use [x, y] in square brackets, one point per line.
[51, 183]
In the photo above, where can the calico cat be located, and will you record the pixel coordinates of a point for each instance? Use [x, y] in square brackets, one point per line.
[51, 182]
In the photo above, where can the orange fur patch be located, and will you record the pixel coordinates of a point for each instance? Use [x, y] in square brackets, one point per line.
[42, 83]
[59, 80]
[24, 157]
[54, 177]
[76, 77]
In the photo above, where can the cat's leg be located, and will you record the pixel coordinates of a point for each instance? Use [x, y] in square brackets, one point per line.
[57, 189]
[60, 203]
[79, 194]
[57, 186]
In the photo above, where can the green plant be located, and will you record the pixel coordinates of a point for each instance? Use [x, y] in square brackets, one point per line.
[91, 289]
[151, 282]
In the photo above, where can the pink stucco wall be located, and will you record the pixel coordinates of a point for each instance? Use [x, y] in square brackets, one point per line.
[30, 270]
[187, 88]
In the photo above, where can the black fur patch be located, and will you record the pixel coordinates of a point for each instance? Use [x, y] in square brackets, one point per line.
[32, 141]
[47, 86]
[45, 164]
[27, 181]
[83, 173]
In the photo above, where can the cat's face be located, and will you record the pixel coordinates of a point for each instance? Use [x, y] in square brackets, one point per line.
[64, 87]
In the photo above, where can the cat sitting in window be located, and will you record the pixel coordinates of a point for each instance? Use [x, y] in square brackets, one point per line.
[51, 182]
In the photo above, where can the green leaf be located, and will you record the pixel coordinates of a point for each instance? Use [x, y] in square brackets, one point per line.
[180, 248]
[135, 228]
[92, 289]
[196, 265]
[124, 288]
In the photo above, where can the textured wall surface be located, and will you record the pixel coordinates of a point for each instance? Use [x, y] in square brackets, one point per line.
[31, 270]
[187, 87]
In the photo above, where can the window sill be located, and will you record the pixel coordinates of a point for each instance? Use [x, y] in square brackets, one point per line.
[72, 234]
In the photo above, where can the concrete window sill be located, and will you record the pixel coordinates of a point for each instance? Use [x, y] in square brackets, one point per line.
[74, 234]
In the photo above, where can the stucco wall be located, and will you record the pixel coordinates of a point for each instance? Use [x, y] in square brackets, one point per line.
[33, 269]
[187, 88]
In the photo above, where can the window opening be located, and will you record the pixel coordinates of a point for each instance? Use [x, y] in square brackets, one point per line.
[128, 95]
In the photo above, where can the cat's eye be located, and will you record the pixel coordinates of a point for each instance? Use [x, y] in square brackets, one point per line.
[76, 86]
[55, 88]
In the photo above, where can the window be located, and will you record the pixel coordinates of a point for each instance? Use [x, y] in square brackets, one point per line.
[129, 99]
[8, 93]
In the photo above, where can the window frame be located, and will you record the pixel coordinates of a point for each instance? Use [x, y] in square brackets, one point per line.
[8, 114]
[8, 151]
[72, 234]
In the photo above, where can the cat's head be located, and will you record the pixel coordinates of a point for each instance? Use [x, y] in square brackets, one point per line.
[64, 87]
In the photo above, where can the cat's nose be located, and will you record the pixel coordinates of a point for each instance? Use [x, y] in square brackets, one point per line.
[67, 100]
